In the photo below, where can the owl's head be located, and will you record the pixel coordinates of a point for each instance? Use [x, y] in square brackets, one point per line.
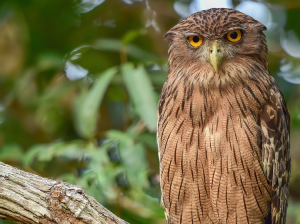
[215, 38]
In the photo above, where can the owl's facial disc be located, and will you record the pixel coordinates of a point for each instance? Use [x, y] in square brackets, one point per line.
[216, 54]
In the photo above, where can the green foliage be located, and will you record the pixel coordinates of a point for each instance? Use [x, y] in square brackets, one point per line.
[98, 131]
[141, 92]
[87, 104]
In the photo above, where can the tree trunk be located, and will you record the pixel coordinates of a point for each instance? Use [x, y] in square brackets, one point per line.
[28, 198]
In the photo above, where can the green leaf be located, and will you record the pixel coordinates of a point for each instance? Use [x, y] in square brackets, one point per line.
[11, 152]
[141, 92]
[71, 150]
[132, 35]
[115, 45]
[20, 86]
[54, 93]
[87, 104]
[149, 139]
[68, 177]
[33, 153]
[133, 157]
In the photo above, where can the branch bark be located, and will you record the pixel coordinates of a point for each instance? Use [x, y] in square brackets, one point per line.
[28, 198]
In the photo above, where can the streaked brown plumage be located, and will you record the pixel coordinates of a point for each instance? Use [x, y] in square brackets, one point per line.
[223, 128]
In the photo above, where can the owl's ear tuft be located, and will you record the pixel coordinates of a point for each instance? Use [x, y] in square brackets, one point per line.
[169, 35]
[262, 27]
[259, 26]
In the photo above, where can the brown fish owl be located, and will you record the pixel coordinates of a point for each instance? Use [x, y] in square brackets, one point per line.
[223, 125]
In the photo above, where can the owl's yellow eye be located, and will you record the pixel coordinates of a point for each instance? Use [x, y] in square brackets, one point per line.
[234, 35]
[195, 41]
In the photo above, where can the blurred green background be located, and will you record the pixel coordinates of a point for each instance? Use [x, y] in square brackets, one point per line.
[79, 86]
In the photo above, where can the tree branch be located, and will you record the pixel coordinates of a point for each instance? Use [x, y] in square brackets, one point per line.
[28, 198]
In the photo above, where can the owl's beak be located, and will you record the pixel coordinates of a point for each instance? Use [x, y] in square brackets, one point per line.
[215, 55]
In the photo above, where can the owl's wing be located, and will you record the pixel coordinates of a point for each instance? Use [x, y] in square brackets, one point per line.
[159, 121]
[275, 129]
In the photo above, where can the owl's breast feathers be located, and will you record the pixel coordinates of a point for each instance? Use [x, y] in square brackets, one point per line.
[223, 148]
